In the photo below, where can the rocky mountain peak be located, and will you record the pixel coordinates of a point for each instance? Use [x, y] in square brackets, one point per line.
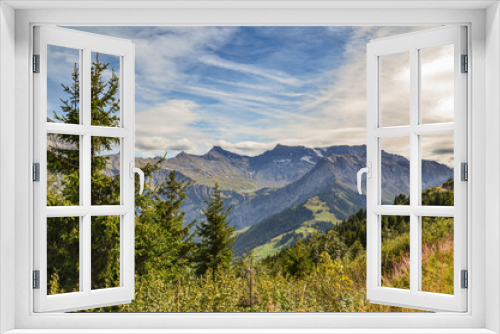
[218, 151]
[288, 152]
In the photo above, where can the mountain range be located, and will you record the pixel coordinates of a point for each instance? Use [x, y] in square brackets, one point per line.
[284, 192]
[261, 186]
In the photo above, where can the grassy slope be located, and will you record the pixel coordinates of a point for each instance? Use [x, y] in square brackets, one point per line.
[244, 229]
[320, 220]
[437, 267]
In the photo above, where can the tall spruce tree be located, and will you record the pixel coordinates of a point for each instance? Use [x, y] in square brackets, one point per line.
[163, 242]
[216, 247]
[178, 250]
[63, 160]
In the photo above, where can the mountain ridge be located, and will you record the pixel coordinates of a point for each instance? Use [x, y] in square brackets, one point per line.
[260, 186]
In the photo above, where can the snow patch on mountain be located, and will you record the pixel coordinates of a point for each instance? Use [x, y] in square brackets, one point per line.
[307, 159]
[318, 152]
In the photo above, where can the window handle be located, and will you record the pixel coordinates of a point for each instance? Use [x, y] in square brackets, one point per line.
[368, 171]
[134, 170]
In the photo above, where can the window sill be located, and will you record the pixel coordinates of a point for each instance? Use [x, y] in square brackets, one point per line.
[251, 331]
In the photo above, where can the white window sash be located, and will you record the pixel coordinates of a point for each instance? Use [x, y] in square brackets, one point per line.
[414, 297]
[86, 43]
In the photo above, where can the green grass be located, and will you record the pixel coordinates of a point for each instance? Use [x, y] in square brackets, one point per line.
[320, 210]
[321, 214]
[273, 246]
[269, 248]
[244, 229]
[226, 182]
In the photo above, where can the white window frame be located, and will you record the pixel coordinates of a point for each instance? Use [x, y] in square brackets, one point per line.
[484, 49]
[413, 43]
[85, 44]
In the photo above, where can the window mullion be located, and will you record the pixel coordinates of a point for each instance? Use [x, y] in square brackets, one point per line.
[85, 172]
[414, 171]
[86, 251]
[80, 130]
[85, 101]
[434, 129]
[406, 210]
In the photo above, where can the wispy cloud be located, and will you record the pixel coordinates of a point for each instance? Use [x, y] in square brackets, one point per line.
[249, 88]
[164, 55]
[216, 93]
[266, 89]
[249, 69]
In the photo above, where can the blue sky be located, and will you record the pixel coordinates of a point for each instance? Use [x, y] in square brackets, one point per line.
[249, 88]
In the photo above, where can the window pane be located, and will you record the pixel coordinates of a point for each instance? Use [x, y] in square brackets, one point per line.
[105, 171]
[437, 84]
[105, 252]
[63, 168]
[437, 254]
[395, 89]
[63, 255]
[395, 170]
[395, 266]
[437, 169]
[105, 90]
[63, 85]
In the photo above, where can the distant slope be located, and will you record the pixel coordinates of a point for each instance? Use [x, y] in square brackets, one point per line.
[323, 218]
[351, 230]
[313, 215]
[331, 174]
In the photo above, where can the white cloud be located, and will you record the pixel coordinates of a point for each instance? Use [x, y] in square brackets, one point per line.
[438, 148]
[250, 148]
[169, 126]
[438, 84]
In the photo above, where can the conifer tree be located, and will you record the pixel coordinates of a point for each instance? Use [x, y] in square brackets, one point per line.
[163, 242]
[63, 159]
[298, 260]
[180, 246]
[216, 247]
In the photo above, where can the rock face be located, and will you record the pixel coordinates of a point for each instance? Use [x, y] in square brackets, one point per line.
[282, 165]
[332, 174]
